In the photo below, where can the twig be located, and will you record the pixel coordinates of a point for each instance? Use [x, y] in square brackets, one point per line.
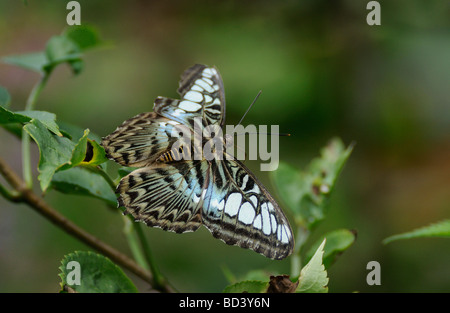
[39, 205]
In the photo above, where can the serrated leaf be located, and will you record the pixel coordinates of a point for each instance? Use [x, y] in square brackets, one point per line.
[330, 163]
[439, 229]
[46, 118]
[313, 277]
[54, 151]
[337, 242]
[250, 286]
[98, 274]
[85, 182]
[58, 153]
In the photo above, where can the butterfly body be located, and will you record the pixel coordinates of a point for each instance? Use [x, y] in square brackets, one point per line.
[179, 187]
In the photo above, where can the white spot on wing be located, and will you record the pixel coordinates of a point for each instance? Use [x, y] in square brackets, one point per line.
[233, 204]
[197, 88]
[254, 200]
[246, 213]
[244, 181]
[207, 72]
[266, 227]
[194, 96]
[285, 237]
[273, 221]
[208, 99]
[258, 221]
[189, 106]
[204, 85]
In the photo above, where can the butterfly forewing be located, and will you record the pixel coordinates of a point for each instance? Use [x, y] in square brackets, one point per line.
[140, 140]
[239, 210]
[202, 95]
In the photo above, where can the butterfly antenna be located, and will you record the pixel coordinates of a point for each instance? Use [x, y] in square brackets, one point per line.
[256, 98]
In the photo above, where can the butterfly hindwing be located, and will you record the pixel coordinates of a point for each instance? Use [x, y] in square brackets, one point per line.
[169, 196]
[239, 210]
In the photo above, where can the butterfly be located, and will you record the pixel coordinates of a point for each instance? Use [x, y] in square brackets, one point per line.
[180, 195]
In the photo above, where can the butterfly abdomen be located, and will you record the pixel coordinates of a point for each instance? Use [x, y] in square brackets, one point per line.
[174, 154]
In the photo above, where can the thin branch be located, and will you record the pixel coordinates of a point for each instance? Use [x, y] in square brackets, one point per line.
[10, 195]
[39, 205]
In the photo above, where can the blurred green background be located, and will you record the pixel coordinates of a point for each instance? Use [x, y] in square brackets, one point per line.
[323, 72]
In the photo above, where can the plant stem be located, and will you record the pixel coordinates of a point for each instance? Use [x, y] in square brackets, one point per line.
[133, 242]
[13, 195]
[26, 159]
[158, 278]
[300, 238]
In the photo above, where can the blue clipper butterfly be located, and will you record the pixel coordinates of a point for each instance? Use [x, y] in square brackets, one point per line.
[179, 195]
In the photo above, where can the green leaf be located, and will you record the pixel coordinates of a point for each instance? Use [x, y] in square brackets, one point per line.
[337, 242]
[60, 153]
[65, 48]
[291, 185]
[87, 152]
[75, 132]
[46, 118]
[62, 49]
[313, 277]
[79, 152]
[95, 154]
[124, 171]
[327, 167]
[54, 151]
[306, 192]
[85, 182]
[84, 36]
[97, 274]
[250, 286]
[7, 117]
[5, 98]
[439, 229]
[35, 61]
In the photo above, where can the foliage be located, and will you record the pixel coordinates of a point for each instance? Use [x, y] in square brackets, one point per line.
[71, 161]
[439, 229]
[99, 274]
